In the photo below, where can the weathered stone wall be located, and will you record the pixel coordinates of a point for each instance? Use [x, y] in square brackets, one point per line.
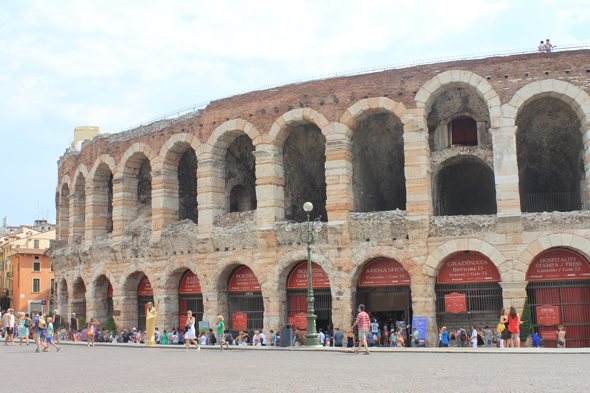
[304, 147]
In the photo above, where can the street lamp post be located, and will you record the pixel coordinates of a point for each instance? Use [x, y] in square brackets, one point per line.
[307, 236]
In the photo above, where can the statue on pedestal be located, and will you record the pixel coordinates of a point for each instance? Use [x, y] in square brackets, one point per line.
[150, 324]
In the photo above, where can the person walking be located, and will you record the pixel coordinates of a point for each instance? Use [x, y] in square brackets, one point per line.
[37, 330]
[49, 339]
[9, 322]
[514, 323]
[91, 329]
[165, 338]
[56, 324]
[561, 336]
[362, 322]
[488, 339]
[190, 334]
[24, 323]
[220, 329]
[74, 328]
[444, 340]
[298, 339]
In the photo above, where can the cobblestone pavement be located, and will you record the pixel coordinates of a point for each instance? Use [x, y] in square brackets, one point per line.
[134, 369]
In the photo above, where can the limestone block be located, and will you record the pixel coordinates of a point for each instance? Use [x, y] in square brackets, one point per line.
[546, 85]
[422, 97]
[486, 249]
[474, 244]
[545, 242]
[432, 85]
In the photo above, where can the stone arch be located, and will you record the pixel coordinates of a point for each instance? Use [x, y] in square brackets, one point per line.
[225, 267]
[79, 294]
[65, 180]
[78, 204]
[126, 281]
[437, 258]
[573, 242]
[226, 133]
[102, 159]
[364, 108]
[174, 271]
[129, 299]
[63, 295]
[464, 185]
[99, 301]
[102, 270]
[364, 257]
[173, 149]
[136, 150]
[575, 97]
[279, 131]
[429, 91]
[99, 200]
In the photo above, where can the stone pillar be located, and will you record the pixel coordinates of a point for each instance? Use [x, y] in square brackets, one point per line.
[441, 137]
[77, 216]
[214, 304]
[272, 305]
[166, 303]
[210, 193]
[96, 306]
[585, 129]
[342, 301]
[269, 185]
[514, 294]
[339, 192]
[124, 202]
[506, 171]
[126, 304]
[97, 199]
[424, 305]
[417, 165]
[164, 197]
[64, 218]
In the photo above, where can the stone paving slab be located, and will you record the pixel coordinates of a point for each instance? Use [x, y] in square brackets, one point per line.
[77, 368]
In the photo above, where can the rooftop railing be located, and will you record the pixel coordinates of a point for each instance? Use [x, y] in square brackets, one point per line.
[363, 71]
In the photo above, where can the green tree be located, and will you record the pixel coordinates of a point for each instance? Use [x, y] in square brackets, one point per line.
[527, 320]
[81, 322]
[110, 324]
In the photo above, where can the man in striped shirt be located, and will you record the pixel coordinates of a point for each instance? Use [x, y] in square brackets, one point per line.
[362, 321]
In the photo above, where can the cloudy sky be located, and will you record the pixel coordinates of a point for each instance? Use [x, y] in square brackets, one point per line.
[114, 64]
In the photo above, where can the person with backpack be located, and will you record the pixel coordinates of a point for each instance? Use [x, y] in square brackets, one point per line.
[462, 337]
[37, 331]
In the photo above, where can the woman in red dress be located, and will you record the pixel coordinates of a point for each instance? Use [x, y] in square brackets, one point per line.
[514, 323]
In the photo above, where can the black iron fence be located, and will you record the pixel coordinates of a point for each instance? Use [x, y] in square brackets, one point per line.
[556, 201]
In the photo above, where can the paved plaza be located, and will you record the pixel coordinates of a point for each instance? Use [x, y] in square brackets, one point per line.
[136, 369]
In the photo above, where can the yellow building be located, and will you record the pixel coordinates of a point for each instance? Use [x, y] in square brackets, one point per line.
[17, 280]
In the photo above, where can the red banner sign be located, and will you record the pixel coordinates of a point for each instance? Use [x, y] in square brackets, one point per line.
[549, 334]
[468, 267]
[240, 321]
[547, 315]
[183, 320]
[243, 280]
[301, 320]
[145, 288]
[455, 302]
[384, 272]
[558, 264]
[110, 292]
[190, 284]
[298, 277]
[292, 321]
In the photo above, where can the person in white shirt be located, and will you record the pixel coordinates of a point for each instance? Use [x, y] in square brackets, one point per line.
[474, 337]
[256, 338]
[321, 336]
[8, 322]
[262, 341]
[542, 47]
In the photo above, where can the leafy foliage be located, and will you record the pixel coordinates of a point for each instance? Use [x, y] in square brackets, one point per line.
[527, 321]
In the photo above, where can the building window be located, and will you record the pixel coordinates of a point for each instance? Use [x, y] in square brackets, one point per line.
[36, 266]
[51, 264]
[35, 243]
[36, 257]
[36, 285]
[464, 131]
[52, 286]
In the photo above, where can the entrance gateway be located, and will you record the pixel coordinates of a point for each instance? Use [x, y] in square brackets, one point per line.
[384, 288]
[245, 304]
[559, 294]
[470, 282]
[190, 297]
[297, 284]
[145, 294]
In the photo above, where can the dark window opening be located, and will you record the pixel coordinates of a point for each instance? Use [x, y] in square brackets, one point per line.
[239, 200]
[240, 174]
[187, 186]
[463, 131]
[37, 266]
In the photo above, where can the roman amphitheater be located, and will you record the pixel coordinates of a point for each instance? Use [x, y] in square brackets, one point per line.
[466, 181]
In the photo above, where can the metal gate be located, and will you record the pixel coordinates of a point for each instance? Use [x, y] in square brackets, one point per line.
[297, 303]
[249, 303]
[573, 299]
[484, 303]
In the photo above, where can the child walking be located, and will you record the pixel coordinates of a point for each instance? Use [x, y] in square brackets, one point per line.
[220, 329]
[49, 339]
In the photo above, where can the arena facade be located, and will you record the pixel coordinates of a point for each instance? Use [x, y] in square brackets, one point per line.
[467, 177]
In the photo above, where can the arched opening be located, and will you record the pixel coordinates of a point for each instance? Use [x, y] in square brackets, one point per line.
[550, 154]
[559, 294]
[79, 209]
[464, 185]
[144, 187]
[239, 200]
[145, 295]
[240, 175]
[245, 303]
[103, 295]
[379, 182]
[384, 288]
[187, 186]
[102, 200]
[297, 284]
[136, 187]
[190, 297]
[463, 131]
[64, 213]
[78, 301]
[304, 155]
[468, 292]
[452, 117]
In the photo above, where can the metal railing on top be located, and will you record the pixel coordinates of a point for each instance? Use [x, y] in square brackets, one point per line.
[363, 71]
[556, 201]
